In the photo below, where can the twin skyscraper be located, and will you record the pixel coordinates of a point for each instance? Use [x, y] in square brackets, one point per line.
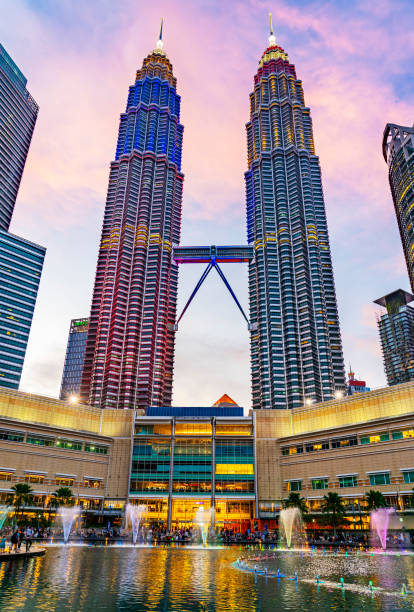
[296, 352]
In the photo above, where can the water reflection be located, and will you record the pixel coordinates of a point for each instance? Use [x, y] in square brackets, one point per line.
[189, 580]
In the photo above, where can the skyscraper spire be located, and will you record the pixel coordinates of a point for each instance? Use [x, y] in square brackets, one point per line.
[160, 43]
[272, 37]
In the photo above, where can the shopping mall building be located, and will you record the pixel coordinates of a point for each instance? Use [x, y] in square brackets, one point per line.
[174, 460]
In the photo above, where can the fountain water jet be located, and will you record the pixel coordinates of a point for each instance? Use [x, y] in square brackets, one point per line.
[4, 511]
[203, 518]
[134, 516]
[68, 514]
[379, 521]
[291, 526]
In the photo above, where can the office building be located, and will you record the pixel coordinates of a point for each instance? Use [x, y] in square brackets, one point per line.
[130, 346]
[244, 467]
[396, 329]
[18, 114]
[21, 264]
[200, 458]
[398, 151]
[75, 354]
[296, 350]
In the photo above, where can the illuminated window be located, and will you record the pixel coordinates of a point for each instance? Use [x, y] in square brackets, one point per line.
[317, 446]
[69, 444]
[92, 483]
[379, 479]
[37, 478]
[193, 429]
[373, 439]
[292, 450]
[64, 482]
[96, 448]
[399, 435]
[234, 468]
[40, 440]
[344, 442]
[319, 483]
[6, 475]
[233, 430]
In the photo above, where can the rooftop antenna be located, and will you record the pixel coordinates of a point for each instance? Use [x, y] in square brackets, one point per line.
[272, 37]
[160, 43]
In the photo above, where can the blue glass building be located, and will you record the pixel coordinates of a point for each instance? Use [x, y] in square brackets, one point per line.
[18, 114]
[21, 264]
[75, 354]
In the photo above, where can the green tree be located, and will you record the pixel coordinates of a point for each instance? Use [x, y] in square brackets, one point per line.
[22, 495]
[62, 497]
[296, 501]
[375, 499]
[332, 506]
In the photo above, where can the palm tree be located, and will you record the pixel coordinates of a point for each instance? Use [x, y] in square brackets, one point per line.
[22, 495]
[296, 501]
[375, 499]
[62, 497]
[332, 506]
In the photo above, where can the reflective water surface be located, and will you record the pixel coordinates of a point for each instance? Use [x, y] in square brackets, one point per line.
[191, 579]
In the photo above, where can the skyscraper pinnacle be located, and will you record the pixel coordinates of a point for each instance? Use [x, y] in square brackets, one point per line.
[272, 37]
[160, 42]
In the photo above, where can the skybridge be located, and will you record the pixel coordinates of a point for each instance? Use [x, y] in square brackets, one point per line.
[212, 256]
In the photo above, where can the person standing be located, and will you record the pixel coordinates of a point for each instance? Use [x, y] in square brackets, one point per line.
[28, 536]
[15, 540]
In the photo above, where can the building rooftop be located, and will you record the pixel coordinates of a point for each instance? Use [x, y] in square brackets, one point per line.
[393, 301]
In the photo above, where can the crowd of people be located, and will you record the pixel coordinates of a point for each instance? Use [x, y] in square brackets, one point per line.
[11, 539]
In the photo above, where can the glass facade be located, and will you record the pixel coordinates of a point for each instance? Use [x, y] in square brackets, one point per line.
[130, 346]
[21, 264]
[396, 329]
[75, 354]
[296, 348]
[18, 114]
[183, 464]
[398, 151]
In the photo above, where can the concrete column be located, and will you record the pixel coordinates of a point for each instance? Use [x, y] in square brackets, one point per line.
[170, 483]
[256, 499]
[213, 469]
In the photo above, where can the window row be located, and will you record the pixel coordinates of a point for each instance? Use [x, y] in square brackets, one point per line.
[350, 480]
[41, 440]
[353, 440]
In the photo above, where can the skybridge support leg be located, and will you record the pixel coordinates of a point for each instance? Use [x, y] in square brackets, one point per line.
[224, 279]
[197, 287]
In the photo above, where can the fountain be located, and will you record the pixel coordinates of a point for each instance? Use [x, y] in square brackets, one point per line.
[379, 523]
[67, 515]
[4, 511]
[291, 527]
[203, 518]
[134, 516]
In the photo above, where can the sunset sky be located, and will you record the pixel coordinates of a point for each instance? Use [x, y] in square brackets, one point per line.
[355, 59]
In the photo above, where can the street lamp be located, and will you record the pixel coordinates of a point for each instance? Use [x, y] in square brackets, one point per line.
[338, 394]
[73, 399]
[309, 401]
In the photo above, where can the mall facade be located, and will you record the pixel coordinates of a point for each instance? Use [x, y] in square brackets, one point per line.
[243, 466]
